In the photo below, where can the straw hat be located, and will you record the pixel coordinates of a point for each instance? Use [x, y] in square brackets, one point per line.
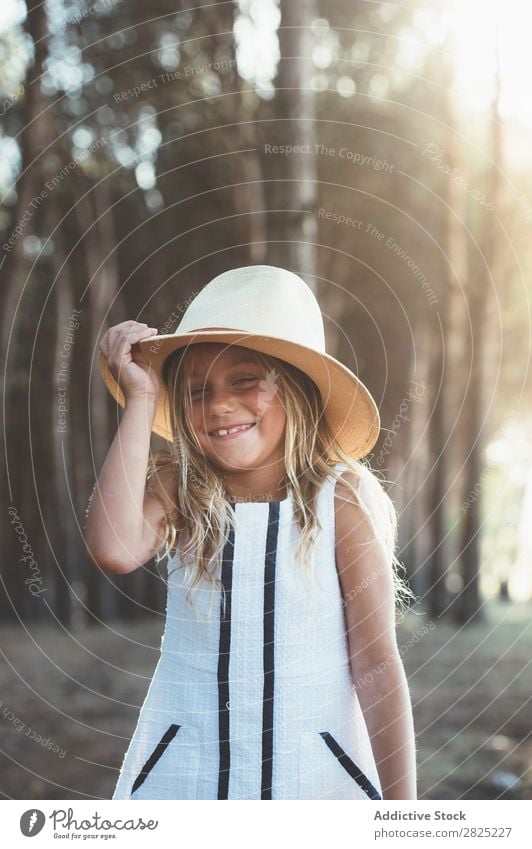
[273, 311]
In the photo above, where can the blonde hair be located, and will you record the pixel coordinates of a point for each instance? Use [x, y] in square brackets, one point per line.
[203, 517]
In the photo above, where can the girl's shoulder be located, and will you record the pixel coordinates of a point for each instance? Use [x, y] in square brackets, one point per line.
[371, 510]
[344, 481]
[363, 480]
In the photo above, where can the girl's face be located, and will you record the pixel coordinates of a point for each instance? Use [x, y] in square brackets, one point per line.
[230, 388]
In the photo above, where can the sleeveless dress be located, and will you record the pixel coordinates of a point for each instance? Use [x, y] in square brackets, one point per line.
[254, 699]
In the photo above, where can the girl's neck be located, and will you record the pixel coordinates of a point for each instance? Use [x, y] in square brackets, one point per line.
[255, 485]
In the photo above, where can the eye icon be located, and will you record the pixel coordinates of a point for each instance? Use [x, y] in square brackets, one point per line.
[32, 822]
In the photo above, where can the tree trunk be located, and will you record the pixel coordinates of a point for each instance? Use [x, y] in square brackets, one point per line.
[67, 548]
[95, 222]
[447, 361]
[481, 311]
[415, 542]
[17, 333]
[292, 224]
[244, 169]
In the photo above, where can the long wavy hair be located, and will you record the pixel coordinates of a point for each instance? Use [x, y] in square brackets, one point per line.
[199, 525]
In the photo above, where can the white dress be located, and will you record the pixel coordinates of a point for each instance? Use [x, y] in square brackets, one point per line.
[257, 701]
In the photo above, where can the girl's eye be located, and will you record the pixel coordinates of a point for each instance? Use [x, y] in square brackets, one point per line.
[197, 393]
[244, 379]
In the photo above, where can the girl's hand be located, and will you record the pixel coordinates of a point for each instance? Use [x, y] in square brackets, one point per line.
[126, 363]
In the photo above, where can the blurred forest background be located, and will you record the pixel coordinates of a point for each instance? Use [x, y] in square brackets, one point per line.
[147, 147]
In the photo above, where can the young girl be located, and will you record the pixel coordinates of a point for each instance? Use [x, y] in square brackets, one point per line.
[279, 675]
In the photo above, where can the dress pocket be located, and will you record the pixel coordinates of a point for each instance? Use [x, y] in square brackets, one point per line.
[326, 771]
[171, 770]
[350, 766]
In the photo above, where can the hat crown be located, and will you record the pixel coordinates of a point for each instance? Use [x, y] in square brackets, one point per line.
[259, 299]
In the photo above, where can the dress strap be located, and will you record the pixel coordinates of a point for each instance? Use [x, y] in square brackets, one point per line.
[338, 467]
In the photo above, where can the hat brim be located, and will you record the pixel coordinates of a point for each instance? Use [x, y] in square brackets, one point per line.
[351, 412]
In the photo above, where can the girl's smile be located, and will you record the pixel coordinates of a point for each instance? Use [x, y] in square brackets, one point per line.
[232, 431]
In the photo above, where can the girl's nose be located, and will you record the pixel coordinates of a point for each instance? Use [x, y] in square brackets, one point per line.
[220, 399]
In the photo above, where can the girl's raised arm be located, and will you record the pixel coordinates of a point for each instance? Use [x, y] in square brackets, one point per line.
[124, 521]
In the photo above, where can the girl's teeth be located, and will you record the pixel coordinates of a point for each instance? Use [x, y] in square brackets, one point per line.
[232, 430]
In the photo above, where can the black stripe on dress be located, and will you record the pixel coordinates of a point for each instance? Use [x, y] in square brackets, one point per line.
[223, 666]
[159, 750]
[350, 766]
[268, 649]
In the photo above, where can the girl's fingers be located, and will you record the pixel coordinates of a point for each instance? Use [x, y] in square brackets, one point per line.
[119, 339]
[122, 351]
[123, 328]
[134, 336]
[128, 323]
[123, 345]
